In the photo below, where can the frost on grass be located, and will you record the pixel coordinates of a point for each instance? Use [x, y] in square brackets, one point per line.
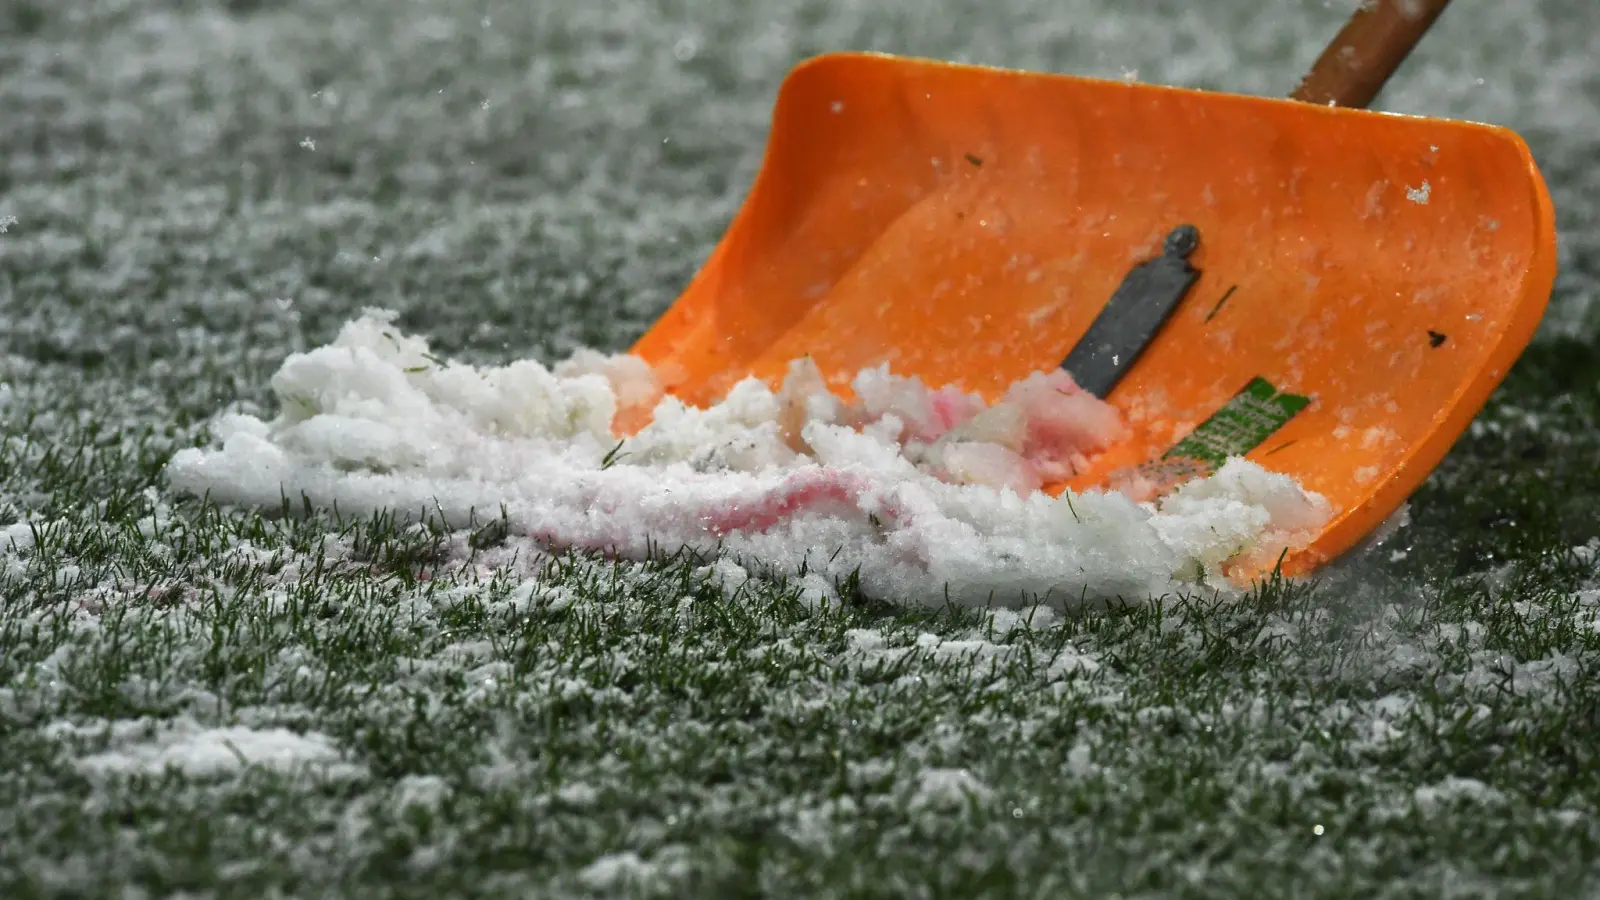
[916, 493]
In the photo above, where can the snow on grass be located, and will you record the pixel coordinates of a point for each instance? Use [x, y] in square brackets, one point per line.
[616, 872]
[943, 788]
[509, 721]
[643, 722]
[186, 746]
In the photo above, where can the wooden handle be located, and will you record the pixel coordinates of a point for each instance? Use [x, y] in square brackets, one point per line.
[1366, 51]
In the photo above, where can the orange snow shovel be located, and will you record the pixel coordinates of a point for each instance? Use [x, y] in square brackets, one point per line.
[1330, 292]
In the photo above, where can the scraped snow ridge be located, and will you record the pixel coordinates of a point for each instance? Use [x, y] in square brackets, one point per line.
[926, 494]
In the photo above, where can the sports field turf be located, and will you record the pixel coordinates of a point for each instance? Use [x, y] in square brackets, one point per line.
[253, 703]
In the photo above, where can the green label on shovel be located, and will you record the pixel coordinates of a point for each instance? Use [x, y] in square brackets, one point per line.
[1240, 426]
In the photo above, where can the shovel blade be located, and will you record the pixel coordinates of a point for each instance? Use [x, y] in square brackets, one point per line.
[966, 224]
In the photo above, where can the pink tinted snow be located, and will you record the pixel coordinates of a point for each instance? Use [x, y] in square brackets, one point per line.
[807, 490]
[1042, 431]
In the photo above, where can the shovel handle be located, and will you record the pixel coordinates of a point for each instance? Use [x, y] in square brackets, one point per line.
[1366, 51]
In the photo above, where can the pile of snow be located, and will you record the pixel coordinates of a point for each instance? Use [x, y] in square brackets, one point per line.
[926, 494]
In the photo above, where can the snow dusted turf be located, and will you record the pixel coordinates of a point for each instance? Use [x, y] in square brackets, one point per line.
[273, 699]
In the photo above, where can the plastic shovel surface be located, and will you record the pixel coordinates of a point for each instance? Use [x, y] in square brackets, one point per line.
[1341, 289]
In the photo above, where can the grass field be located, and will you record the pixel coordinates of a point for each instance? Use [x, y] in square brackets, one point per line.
[238, 702]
